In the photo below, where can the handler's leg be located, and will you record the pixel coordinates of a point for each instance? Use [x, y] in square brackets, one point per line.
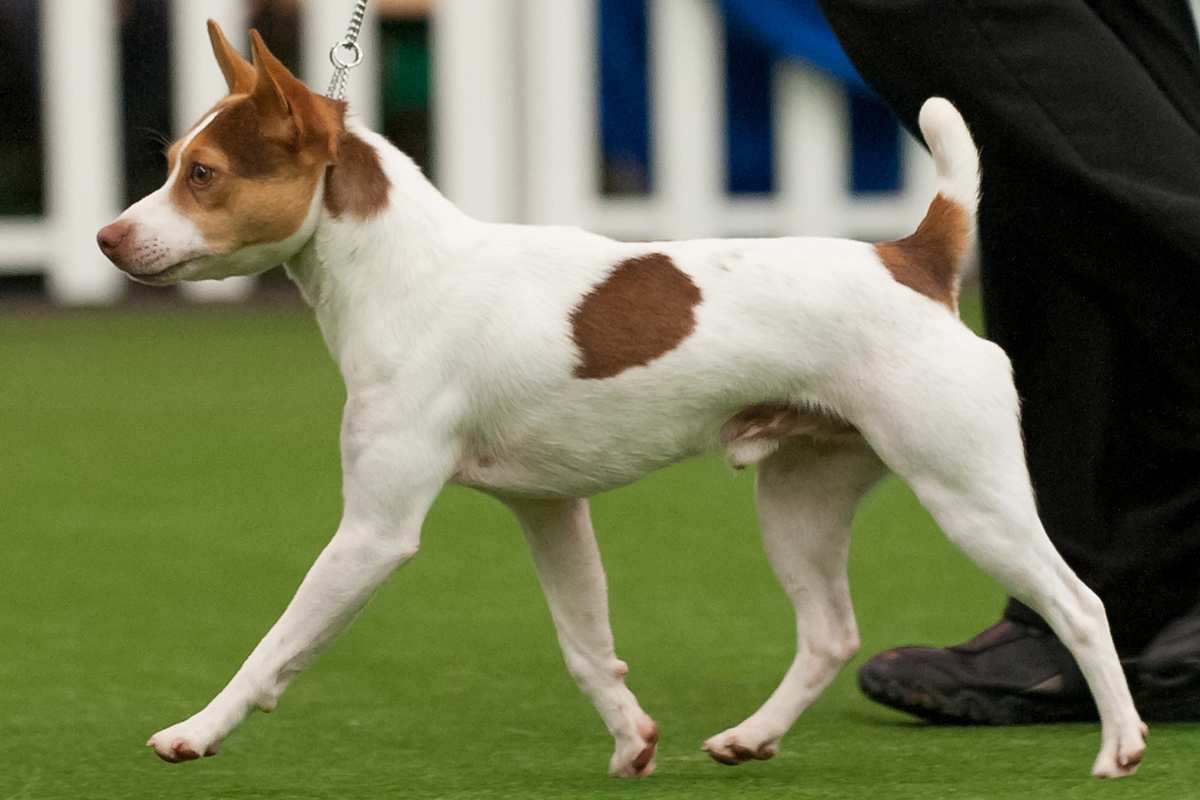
[1087, 118]
[564, 549]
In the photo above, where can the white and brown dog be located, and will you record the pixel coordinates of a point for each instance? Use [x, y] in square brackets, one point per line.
[543, 365]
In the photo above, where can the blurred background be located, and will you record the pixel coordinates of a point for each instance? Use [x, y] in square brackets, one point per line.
[642, 119]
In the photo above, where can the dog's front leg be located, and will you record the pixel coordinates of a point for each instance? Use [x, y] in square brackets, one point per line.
[389, 485]
[564, 549]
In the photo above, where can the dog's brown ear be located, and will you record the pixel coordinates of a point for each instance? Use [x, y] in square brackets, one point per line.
[289, 109]
[238, 72]
[274, 84]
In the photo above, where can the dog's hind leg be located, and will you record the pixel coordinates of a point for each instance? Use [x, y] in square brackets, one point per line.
[806, 497]
[564, 549]
[950, 427]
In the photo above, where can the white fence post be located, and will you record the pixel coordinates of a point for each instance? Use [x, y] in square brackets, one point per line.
[198, 80]
[475, 106]
[561, 137]
[324, 22]
[811, 151]
[83, 183]
[198, 85]
[687, 57]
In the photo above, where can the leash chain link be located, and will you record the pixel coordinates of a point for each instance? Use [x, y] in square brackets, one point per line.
[348, 45]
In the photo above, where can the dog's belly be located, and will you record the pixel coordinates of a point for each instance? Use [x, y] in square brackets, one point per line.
[623, 454]
[512, 479]
[540, 471]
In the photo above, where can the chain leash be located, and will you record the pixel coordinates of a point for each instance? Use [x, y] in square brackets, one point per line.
[347, 54]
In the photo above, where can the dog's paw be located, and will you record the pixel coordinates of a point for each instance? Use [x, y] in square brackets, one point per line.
[634, 756]
[184, 741]
[1121, 758]
[741, 744]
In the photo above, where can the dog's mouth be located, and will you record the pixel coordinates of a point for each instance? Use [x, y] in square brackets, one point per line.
[166, 275]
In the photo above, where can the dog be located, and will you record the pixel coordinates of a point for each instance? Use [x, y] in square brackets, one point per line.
[545, 364]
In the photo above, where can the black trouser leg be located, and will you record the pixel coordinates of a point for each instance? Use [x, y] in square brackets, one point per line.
[1087, 116]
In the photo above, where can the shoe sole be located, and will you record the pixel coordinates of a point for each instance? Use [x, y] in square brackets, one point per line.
[973, 706]
[980, 707]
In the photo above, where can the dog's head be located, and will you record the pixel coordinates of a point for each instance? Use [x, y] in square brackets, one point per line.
[245, 185]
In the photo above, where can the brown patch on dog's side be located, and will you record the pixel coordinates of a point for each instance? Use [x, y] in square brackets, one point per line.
[640, 312]
[356, 184]
[781, 421]
[929, 260]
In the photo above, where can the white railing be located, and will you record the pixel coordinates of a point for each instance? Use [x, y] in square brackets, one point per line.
[517, 133]
[516, 130]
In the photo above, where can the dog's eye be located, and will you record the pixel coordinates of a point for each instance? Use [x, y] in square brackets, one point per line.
[201, 175]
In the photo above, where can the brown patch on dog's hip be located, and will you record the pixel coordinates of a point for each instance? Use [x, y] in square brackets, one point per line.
[930, 259]
[644, 309]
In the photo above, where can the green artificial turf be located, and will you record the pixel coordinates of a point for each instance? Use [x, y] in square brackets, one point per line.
[166, 477]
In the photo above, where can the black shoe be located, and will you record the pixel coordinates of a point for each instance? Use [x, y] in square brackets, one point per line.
[1011, 674]
[1165, 678]
[1016, 674]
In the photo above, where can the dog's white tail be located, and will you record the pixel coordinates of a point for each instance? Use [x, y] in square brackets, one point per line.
[954, 152]
[931, 261]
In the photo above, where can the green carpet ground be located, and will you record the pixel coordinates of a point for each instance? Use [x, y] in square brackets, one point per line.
[167, 476]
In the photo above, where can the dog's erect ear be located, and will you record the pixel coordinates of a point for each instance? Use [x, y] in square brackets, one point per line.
[274, 84]
[289, 110]
[238, 72]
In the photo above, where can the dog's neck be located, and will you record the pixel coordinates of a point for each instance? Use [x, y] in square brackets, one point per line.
[352, 267]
